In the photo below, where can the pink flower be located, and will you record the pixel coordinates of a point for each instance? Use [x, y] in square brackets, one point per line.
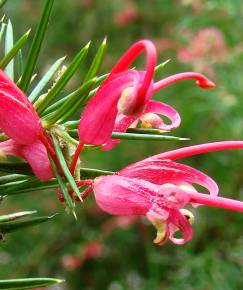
[124, 99]
[126, 16]
[20, 122]
[159, 188]
[207, 43]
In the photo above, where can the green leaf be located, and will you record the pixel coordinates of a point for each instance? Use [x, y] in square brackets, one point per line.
[45, 79]
[68, 108]
[97, 62]
[64, 189]
[146, 137]
[2, 30]
[15, 49]
[20, 64]
[11, 178]
[16, 167]
[144, 130]
[71, 125]
[42, 103]
[65, 168]
[36, 46]
[16, 215]
[28, 283]
[139, 136]
[9, 69]
[59, 103]
[92, 173]
[24, 167]
[160, 66]
[26, 185]
[2, 2]
[99, 80]
[11, 226]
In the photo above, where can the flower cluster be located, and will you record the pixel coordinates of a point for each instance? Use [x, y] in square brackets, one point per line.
[157, 187]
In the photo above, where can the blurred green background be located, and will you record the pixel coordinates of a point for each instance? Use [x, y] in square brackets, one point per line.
[103, 252]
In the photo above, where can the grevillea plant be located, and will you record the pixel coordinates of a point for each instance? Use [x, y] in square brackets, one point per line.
[38, 127]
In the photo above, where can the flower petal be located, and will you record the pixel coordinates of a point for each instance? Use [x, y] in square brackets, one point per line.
[165, 110]
[177, 221]
[145, 89]
[98, 118]
[159, 171]
[118, 195]
[18, 121]
[122, 123]
[158, 217]
[36, 155]
[9, 87]
[9, 147]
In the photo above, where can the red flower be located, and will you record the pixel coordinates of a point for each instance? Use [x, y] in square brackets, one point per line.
[20, 122]
[124, 99]
[159, 188]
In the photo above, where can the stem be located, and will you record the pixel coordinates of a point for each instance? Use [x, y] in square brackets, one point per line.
[129, 56]
[85, 182]
[216, 201]
[84, 193]
[202, 81]
[200, 149]
[75, 158]
[46, 141]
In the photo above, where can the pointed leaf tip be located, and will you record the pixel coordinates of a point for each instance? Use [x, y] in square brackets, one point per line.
[10, 226]
[185, 139]
[104, 42]
[36, 46]
[17, 215]
[87, 45]
[161, 65]
[28, 32]
[28, 283]
[165, 62]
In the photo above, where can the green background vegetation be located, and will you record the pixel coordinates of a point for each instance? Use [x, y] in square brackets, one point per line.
[124, 256]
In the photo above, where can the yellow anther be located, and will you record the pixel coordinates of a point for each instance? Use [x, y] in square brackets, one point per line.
[189, 215]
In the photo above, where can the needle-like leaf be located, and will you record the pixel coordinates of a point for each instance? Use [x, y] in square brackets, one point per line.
[46, 78]
[29, 283]
[11, 226]
[16, 168]
[43, 103]
[68, 108]
[65, 168]
[16, 215]
[2, 29]
[29, 184]
[146, 137]
[136, 136]
[97, 62]
[14, 50]
[20, 64]
[11, 178]
[59, 103]
[2, 2]
[24, 167]
[63, 187]
[9, 69]
[36, 46]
